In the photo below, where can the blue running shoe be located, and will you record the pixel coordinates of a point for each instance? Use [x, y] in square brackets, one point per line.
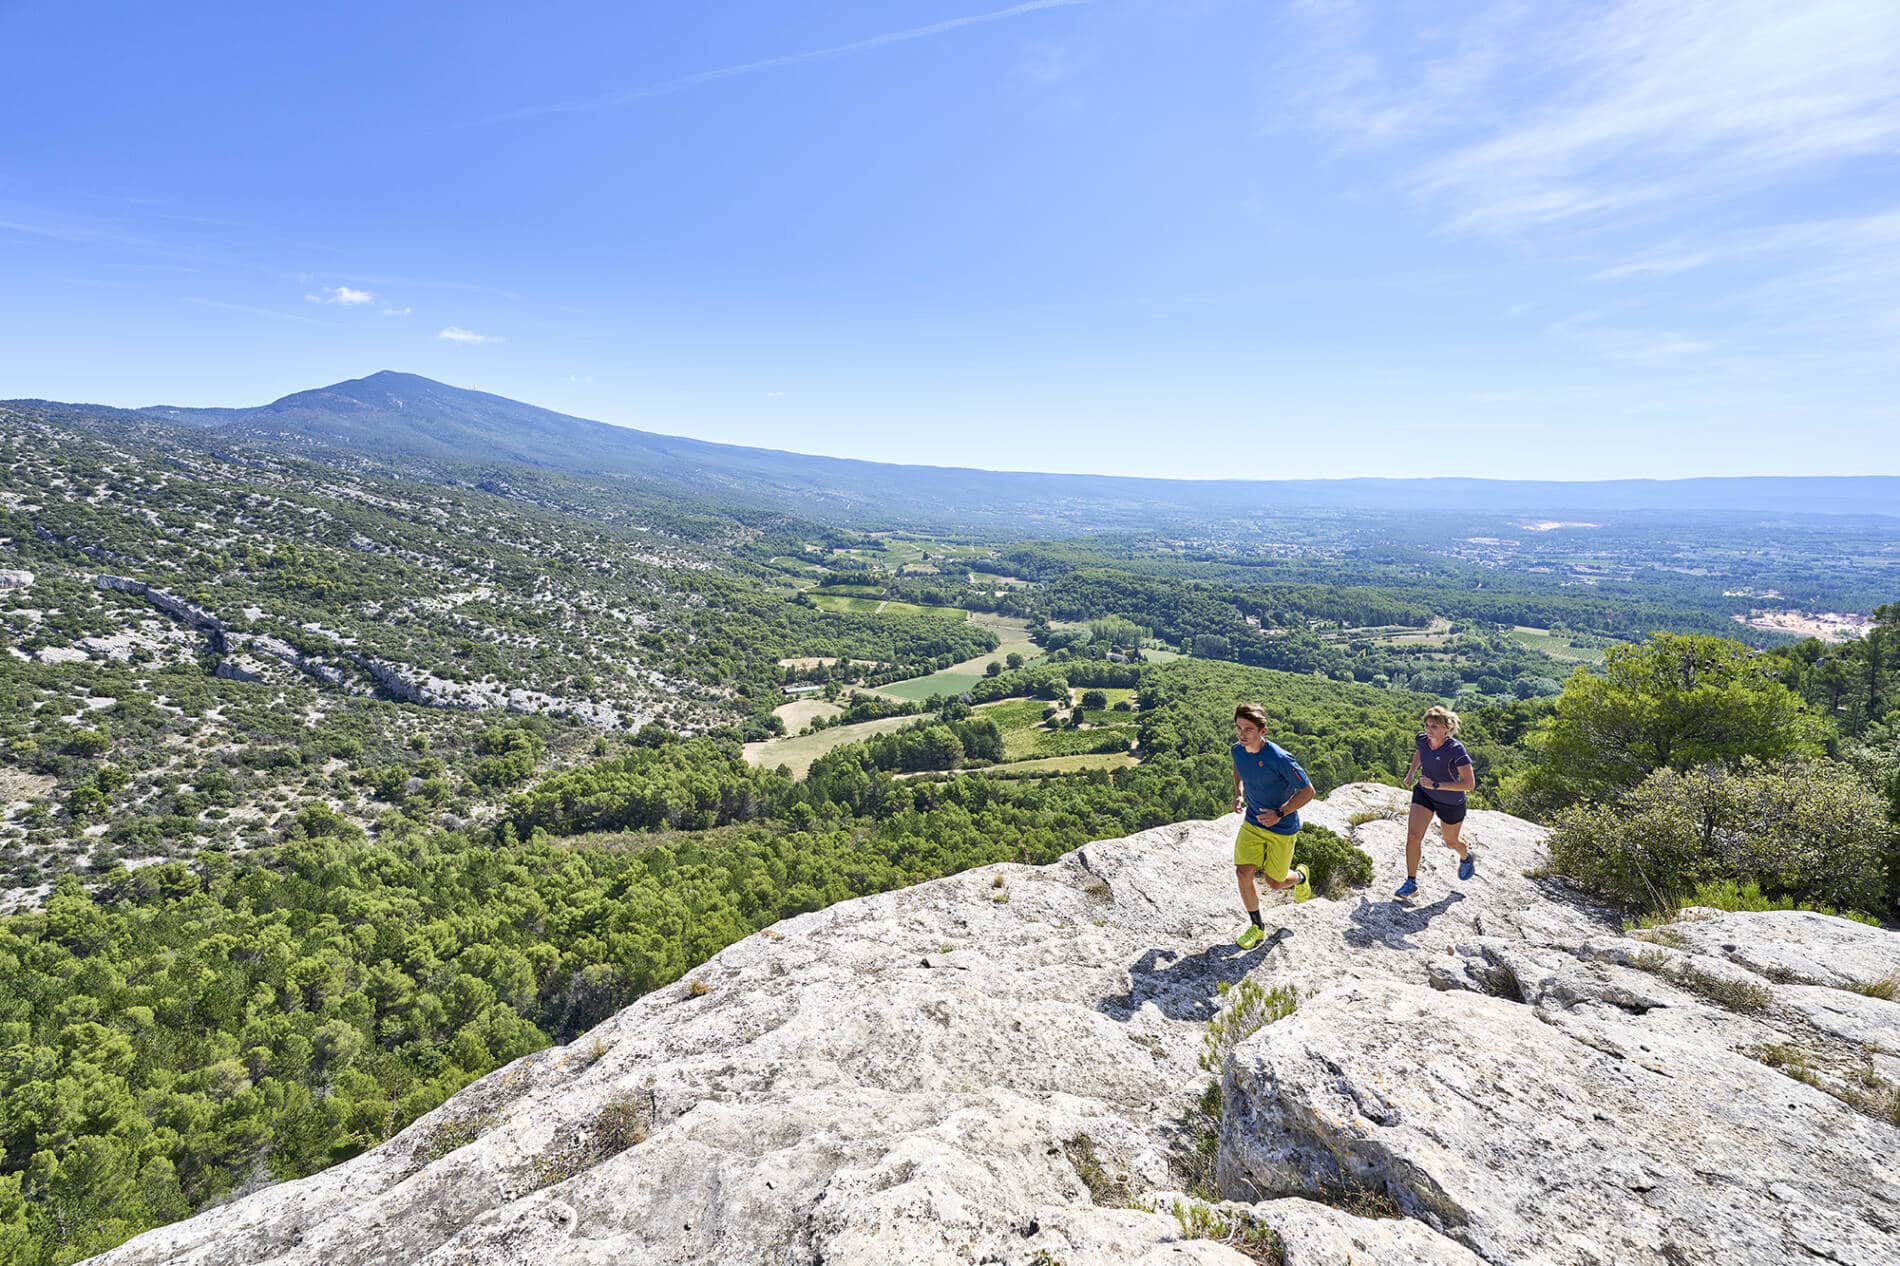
[1467, 867]
[1407, 888]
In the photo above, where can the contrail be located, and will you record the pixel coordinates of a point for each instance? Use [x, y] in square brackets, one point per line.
[795, 59]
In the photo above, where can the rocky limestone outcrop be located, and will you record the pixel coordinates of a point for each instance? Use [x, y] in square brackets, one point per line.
[14, 578]
[309, 666]
[1001, 1067]
[171, 604]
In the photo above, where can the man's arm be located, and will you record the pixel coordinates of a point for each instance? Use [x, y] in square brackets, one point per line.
[1301, 795]
[1240, 797]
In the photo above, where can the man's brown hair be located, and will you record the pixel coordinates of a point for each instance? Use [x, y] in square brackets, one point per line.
[1251, 712]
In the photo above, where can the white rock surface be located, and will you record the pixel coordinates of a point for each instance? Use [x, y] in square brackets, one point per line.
[904, 1078]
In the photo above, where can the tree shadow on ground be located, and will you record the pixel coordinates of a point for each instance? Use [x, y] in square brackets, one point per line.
[1188, 988]
[1389, 923]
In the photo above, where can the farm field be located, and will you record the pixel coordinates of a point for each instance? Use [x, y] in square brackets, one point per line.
[831, 600]
[1437, 633]
[845, 603]
[1062, 764]
[958, 678]
[1026, 738]
[912, 608]
[1557, 646]
[798, 751]
[801, 712]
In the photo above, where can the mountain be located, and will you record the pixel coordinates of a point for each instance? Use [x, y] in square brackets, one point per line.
[1016, 1065]
[429, 427]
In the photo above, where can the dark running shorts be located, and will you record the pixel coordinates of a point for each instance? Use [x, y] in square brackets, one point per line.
[1445, 812]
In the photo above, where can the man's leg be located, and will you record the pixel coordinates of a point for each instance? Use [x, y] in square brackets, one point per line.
[1277, 867]
[1249, 853]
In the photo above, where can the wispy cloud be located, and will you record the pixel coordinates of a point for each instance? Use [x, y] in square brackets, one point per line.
[669, 86]
[1554, 115]
[397, 311]
[456, 334]
[341, 294]
[1650, 146]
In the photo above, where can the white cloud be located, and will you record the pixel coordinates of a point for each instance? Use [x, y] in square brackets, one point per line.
[342, 294]
[397, 311]
[456, 334]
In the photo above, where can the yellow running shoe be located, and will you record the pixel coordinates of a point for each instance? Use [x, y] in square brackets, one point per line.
[1250, 937]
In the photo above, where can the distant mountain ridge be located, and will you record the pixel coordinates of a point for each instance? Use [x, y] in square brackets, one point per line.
[409, 420]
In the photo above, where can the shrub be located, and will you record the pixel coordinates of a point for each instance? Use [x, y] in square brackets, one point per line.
[1332, 862]
[1810, 833]
[1246, 1008]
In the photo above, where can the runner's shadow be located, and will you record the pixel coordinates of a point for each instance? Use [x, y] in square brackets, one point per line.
[1187, 988]
[1389, 923]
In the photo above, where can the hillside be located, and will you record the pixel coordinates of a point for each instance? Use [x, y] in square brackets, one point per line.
[1011, 1066]
[415, 422]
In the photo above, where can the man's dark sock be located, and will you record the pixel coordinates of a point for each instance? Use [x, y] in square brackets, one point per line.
[1255, 916]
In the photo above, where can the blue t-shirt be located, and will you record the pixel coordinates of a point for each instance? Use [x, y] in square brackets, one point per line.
[1269, 777]
[1441, 764]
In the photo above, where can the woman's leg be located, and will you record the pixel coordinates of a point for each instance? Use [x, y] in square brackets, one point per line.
[1415, 824]
[1452, 831]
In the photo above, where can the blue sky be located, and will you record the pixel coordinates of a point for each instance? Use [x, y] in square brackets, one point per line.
[1169, 237]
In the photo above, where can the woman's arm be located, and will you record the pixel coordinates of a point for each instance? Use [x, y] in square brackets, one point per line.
[1467, 780]
[1411, 772]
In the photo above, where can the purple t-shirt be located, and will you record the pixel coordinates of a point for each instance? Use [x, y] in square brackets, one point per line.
[1441, 764]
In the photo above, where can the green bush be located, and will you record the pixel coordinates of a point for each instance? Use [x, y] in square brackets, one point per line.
[1812, 833]
[1332, 862]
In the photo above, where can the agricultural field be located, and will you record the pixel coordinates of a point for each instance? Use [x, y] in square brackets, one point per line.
[1063, 764]
[845, 603]
[958, 678]
[1028, 736]
[801, 712]
[798, 751]
[852, 599]
[1563, 647]
[912, 608]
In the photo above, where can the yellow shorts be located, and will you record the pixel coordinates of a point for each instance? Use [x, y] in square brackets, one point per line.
[1258, 847]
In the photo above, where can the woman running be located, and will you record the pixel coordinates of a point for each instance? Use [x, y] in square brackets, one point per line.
[1269, 787]
[1443, 769]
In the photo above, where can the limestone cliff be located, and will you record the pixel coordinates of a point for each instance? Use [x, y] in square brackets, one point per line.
[1002, 1067]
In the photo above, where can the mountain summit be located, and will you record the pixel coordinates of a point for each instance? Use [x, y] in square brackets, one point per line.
[1012, 1066]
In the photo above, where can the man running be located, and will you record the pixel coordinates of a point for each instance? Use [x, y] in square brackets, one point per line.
[1269, 788]
[1444, 772]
